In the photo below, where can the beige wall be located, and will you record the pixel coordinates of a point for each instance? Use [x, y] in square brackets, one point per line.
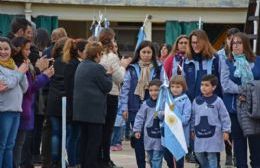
[153, 3]
[129, 14]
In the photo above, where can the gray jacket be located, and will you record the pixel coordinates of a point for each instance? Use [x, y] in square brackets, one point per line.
[248, 112]
[16, 82]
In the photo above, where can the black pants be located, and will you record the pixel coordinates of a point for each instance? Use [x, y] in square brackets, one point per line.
[90, 142]
[240, 145]
[169, 159]
[46, 143]
[112, 104]
[37, 135]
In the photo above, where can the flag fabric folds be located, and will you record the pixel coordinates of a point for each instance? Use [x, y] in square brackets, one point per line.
[173, 134]
[141, 37]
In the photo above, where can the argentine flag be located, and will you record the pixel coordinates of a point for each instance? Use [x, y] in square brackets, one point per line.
[174, 139]
[141, 37]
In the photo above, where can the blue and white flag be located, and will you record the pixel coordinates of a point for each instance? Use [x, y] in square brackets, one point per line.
[174, 139]
[141, 37]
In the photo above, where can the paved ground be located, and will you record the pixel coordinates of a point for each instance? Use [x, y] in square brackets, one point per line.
[126, 158]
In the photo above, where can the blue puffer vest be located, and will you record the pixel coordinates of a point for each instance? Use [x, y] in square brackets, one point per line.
[134, 101]
[195, 69]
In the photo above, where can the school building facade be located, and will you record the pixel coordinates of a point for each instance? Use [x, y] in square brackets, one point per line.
[126, 16]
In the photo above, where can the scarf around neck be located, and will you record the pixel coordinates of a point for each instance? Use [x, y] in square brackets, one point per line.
[143, 82]
[10, 64]
[243, 69]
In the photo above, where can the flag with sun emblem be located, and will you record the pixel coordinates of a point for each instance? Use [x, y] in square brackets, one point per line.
[173, 134]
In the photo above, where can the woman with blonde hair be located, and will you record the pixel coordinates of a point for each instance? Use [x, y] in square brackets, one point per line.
[73, 54]
[54, 101]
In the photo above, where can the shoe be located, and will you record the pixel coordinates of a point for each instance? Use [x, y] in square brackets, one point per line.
[190, 158]
[110, 164]
[113, 148]
[119, 147]
[229, 161]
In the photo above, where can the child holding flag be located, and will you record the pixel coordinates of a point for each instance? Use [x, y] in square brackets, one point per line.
[147, 118]
[178, 87]
[210, 123]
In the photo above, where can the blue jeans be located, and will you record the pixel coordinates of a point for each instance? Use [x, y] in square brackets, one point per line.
[56, 132]
[155, 157]
[207, 159]
[116, 136]
[73, 131]
[9, 124]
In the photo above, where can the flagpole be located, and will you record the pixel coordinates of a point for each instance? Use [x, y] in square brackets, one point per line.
[200, 23]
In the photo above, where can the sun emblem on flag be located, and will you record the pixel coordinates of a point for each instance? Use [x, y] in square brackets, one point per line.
[171, 106]
[171, 120]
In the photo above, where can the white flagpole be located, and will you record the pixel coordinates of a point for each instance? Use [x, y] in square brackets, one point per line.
[63, 147]
[200, 23]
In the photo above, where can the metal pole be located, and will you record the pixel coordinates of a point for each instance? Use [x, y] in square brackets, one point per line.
[63, 147]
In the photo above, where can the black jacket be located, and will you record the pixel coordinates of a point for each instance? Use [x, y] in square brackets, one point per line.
[91, 87]
[56, 89]
[69, 75]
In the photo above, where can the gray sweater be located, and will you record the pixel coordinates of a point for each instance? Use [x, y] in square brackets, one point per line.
[11, 99]
[210, 120]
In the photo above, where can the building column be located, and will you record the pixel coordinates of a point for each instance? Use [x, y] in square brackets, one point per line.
[28, 11]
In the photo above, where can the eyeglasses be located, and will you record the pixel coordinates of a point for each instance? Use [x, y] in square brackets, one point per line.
[236, 42]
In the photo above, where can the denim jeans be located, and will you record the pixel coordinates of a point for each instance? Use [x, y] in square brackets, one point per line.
[56, 132]
[155, 157]
[9, 124]
[116, 136]
[207, 159]
[73, 136]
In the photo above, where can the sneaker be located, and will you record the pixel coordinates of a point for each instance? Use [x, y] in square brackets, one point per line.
[119, 147]
[229, 161]
[190, 158]
[113, 148]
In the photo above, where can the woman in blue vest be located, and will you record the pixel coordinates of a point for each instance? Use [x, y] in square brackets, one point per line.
[144, 68]
[239, 68]
[223, 55]
[201, 60]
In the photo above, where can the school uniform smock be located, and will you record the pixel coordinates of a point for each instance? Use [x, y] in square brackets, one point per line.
[210, 120]
[148, 119]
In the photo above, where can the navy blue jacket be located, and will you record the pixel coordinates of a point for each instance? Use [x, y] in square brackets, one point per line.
[195, 69]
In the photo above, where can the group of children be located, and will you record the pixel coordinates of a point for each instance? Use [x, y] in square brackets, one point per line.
[208, 117]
